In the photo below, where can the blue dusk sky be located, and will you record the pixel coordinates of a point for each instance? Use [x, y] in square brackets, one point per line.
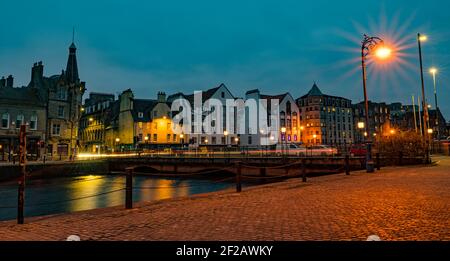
[276, 46]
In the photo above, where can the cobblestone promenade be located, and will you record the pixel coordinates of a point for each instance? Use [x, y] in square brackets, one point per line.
[405, 203]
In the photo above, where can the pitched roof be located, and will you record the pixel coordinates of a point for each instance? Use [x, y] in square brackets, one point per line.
[22, 96]
[206, 95]
[144, 106]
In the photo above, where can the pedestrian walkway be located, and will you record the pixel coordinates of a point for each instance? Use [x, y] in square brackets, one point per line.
[401, 203]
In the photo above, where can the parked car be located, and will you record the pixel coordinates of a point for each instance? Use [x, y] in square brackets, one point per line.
[322, 150]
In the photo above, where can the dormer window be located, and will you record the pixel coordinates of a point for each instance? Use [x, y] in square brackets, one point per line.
[140, 114]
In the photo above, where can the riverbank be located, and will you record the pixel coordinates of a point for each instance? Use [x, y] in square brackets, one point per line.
[396, 203]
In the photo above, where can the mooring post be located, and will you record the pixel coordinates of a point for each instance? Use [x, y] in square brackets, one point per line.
[129, 189]
[303, 170]
[378, 160]
[347, 164]
[238, 177]
[400, 158]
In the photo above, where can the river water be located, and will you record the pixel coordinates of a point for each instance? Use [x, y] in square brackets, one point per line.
[70, 194]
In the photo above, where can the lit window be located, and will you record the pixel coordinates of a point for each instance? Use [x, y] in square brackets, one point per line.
[140, 114]
[56, 129]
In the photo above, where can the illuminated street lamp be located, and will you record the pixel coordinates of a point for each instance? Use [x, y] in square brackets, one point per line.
[430, 131]
[315, 137]
[91, 119]
[283, 140]
[375, 46]
[392, 132]
[420, 39]
[433, 72]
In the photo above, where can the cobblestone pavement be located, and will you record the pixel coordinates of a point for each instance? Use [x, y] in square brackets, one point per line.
[404, 203]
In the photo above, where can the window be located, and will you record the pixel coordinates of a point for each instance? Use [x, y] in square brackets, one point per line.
[155, 137]
[62, 94]
[214, 140]
[249, 140]
[56, 129]
[33, 122]
[140, 115]
[5, 121]
[61, 111]
[168, 137]
[222, 95]
[174, 138]
[19, 120]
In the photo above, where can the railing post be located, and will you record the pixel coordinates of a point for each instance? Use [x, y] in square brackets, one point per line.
[303, 170]
[129, 189]
[377, 156]
[262, 172]
[238, 178]
[22, 163]
[347, 164]
[400, 158]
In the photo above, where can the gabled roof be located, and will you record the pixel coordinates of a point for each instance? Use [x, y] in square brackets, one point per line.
[144, 106]
[206, 95]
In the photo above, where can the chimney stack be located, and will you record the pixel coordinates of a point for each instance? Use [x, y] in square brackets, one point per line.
[37, 74]
[10, 81]
[2, 82]
[161, 97]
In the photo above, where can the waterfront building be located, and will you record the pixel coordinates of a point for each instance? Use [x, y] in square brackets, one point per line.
[325, 119]
[289, 130]
[215, 136]
[379, 120]
[59, 96]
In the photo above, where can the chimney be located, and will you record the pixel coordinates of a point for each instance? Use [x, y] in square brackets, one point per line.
[161, 97]
[10, 81]
[37, 74]
[2, 82]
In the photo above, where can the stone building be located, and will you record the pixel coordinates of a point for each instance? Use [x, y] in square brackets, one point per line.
[379, 120]
[20, 106]
[131, 123]
[92, 132]
[59, 96]
[326, 119]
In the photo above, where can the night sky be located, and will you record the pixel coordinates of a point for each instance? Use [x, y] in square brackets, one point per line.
[276, 46]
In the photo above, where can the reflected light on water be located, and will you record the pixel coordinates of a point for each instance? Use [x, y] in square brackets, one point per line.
[88, 186]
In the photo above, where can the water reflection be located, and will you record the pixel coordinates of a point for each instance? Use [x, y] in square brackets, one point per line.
[69, 194]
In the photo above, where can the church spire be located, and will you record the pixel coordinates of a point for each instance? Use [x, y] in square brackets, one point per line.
[72, 67]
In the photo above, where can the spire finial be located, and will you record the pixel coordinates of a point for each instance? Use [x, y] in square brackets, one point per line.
[73, 34]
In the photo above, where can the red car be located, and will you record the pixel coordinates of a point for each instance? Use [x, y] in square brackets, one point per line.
[358, 150]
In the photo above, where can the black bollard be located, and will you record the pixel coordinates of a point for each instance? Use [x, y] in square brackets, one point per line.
[238, 178]
[378, 160]
[400, 158]
[347, 164]
[129, 189]
[303, 170]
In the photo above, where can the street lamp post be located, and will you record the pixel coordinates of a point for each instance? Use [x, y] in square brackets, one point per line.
[420, 39]
[370, 44]
[433, 72]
